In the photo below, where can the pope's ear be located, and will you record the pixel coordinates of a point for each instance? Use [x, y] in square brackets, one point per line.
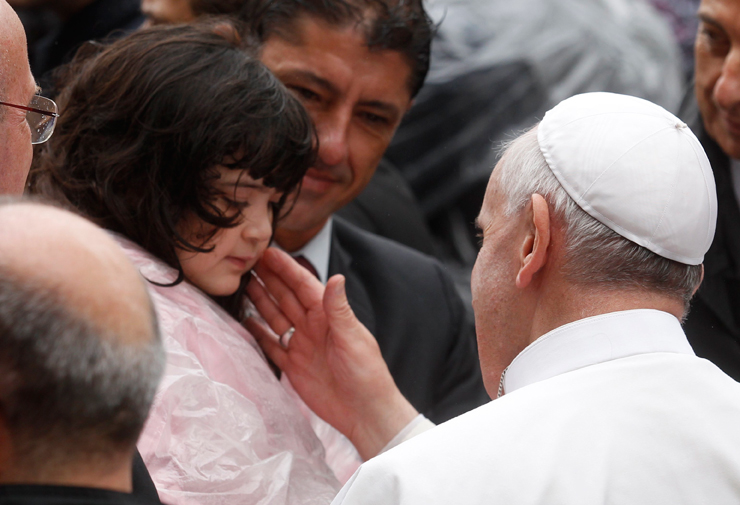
[535, 246]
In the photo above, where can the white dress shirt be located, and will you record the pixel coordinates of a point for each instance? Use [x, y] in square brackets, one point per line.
[595, 340]
[317, 252]
[611, 409]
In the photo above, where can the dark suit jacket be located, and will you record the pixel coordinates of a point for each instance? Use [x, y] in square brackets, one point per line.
[410, 304]
[143, 488]
[40, 494]
[98, 20]
[386, 207]
[712, 325]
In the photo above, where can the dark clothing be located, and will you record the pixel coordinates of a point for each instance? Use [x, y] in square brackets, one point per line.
[408, 301]
[94, 22]
[712, 326]
[62, 495]
[388, 208]
[143, 487]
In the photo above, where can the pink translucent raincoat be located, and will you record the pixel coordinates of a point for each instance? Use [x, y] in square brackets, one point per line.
[223, 429]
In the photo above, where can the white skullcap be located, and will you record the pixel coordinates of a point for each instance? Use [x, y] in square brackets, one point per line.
[637, 169]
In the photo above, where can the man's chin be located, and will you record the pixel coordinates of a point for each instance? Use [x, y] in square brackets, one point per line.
[307, 214]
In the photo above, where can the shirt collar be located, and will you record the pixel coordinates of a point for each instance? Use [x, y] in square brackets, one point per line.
[595, 340]
[318, 250]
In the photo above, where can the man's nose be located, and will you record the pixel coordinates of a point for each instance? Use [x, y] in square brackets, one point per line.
[333, 132]
[727, 88]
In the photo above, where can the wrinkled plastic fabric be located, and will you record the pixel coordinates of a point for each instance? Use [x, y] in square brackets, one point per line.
[498, 65]
[223, 430]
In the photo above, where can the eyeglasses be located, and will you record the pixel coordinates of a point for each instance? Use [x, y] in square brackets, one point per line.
[41, 116]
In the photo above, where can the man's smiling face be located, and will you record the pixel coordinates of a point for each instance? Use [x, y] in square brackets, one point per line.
[717, 53]
[356, 97]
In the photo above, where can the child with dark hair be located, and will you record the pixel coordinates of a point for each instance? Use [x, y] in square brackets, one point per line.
[186, 148]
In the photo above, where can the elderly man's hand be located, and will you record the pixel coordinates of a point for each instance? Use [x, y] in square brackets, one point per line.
[332, 360]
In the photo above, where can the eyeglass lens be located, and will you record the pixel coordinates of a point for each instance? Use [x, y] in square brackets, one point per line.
[42, 125]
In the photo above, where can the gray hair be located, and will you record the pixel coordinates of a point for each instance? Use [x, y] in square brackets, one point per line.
[595, 254]
[68, 390]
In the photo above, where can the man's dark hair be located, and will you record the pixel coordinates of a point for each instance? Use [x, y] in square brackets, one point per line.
[397, 25]
[145, 122]
[67, 389]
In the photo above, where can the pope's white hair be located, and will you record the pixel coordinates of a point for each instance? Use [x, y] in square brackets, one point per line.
[595, 254]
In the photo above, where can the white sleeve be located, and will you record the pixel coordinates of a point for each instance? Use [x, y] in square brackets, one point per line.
[418, 425]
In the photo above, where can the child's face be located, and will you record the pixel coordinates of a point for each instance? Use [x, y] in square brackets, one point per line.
[236, 249]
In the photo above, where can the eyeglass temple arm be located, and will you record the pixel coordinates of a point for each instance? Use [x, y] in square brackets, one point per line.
[31, 109]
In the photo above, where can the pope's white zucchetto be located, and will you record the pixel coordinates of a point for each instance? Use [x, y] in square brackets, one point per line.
[636, 168]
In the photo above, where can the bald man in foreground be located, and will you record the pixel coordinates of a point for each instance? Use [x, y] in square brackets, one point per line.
[595, 224]
[80, 359]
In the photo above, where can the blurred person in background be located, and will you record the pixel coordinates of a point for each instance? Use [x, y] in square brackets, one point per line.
[681, 15]
[712, 110]
[60, 27]
[496, 67]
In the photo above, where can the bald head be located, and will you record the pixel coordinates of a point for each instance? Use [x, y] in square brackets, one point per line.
[17, 86]
[77, 262]
[80, 354]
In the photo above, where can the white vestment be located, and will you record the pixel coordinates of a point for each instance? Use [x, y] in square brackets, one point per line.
[611, 409]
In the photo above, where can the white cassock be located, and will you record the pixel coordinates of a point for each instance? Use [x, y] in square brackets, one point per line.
[611, 409]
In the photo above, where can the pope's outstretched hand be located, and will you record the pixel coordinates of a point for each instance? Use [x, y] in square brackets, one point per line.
[331, 359]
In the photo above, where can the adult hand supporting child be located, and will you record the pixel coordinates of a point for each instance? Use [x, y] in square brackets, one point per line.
[332, 360]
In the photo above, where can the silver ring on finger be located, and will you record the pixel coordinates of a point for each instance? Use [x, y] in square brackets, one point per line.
[285, 337]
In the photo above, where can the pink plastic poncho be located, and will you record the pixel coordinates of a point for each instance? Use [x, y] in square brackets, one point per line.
[223, 430]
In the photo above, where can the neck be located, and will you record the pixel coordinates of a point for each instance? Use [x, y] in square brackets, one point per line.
[114, 475]
[292, 240]
[567, 304]
[577, 302]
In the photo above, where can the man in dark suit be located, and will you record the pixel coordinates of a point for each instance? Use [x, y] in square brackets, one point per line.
[713, 324]
[356, 65]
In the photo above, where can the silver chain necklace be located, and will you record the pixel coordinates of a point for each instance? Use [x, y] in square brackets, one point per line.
[501, 383]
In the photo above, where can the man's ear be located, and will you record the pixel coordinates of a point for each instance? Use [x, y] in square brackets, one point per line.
[533, 254]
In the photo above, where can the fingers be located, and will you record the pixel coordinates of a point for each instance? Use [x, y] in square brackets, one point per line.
[287, 303]
[267, 306]
[307, 288]
[270, 345]
[338, 312]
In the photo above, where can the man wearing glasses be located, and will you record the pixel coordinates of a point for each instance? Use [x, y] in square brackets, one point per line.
[25, 118]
